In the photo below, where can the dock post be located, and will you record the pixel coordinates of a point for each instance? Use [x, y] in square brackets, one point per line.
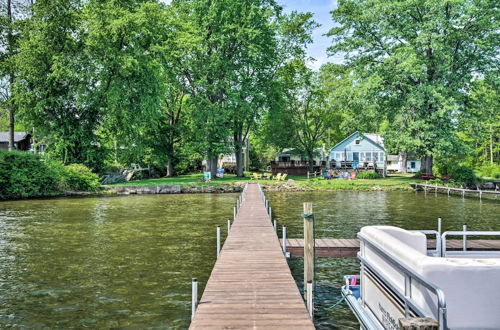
[463, 193]
[307, 175]
[465, 237]
[194, 296]
[440, 220]
[274, 225]
[238, 204]
[309, 299]
[308, 244]
[270, 213]
[480, 194]
[218, 241]
[234, 213]
[283, 244]
[228, 225]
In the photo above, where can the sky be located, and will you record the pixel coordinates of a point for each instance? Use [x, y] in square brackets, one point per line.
[321, 11]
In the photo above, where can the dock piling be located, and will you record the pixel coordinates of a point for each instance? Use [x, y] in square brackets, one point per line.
[308, 243]
[283, 233]
[234, 213]
[218, 241]
[228, 225]
[440, 221]
[194, 296]
[274, 225]
[309, 299]
[465, 237]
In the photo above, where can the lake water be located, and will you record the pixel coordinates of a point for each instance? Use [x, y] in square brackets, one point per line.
[106, 262]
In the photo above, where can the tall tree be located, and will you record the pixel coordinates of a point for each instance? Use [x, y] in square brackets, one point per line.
[425, 54]
[12, 14]
[304, 116]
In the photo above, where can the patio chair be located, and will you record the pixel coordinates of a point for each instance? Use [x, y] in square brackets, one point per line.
[283, 177]
[277, 177]
[267, 176]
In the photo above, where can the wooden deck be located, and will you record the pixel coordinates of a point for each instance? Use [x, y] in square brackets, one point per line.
[251, 286]
[341, 248]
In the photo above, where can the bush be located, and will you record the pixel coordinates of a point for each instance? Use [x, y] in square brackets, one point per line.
[490, 170]
[25, 174]
[460, 174]
[79, 177]
[368, 175]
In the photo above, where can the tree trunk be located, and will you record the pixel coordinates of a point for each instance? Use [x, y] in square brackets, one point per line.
[212, 165]
[11, 129]
[403, 156]
[491, 148]
[239, 162]
[170, 168]
[238, 152]
[10, 42]
[427, 162]
[310, 165]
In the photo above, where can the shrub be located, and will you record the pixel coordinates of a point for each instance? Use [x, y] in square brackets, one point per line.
[24, 174]
[490, 170]
[79, 177]
[368, 175]
[459, 173]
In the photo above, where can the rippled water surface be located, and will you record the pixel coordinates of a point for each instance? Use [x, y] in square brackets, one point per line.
[109, 262]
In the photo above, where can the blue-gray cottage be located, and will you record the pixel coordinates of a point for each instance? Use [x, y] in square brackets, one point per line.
[360, 150]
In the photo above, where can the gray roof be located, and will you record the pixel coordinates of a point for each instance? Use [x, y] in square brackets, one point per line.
[18, 136]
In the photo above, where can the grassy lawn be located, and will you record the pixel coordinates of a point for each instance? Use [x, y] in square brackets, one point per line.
[392, 182]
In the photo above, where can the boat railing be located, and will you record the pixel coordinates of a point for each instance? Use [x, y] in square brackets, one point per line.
[436, 252]
[410, 276]
[465, 251]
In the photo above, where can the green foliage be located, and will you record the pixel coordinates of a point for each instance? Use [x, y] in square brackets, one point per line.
[490, 170]
[423, 56]
[24, 174]
[368, 175]
[460, 174]
[79, 177]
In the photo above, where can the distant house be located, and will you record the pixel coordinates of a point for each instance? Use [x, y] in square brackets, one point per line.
[290, 154]
[360, 151]
[395, 163]
[294, 162]
[22, 141]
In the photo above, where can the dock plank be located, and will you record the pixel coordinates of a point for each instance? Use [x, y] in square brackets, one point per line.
[251, 286]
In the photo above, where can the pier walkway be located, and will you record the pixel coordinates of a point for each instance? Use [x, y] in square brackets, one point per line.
[251, 286]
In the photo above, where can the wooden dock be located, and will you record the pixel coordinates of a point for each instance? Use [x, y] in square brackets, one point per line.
[251, 286]
[348, 248]
[456, 191]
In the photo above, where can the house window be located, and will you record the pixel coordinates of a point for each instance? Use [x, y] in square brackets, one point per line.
[412, 165]
[368, 156]
[357, 141]
[284, 158]
[375, 156]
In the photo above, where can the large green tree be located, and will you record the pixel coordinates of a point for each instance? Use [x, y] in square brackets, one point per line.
[424, 53]
[303, 117]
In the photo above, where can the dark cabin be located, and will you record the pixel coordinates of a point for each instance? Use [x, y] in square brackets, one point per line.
[22, 141]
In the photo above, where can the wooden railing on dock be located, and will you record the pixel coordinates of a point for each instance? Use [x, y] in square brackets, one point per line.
[348, 248]
[251, 285]
[458, 191]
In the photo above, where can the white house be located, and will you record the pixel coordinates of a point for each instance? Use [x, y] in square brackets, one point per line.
[395, 163]
[360, 150]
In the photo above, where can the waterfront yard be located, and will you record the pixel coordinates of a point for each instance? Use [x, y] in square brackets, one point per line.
[392, 182]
